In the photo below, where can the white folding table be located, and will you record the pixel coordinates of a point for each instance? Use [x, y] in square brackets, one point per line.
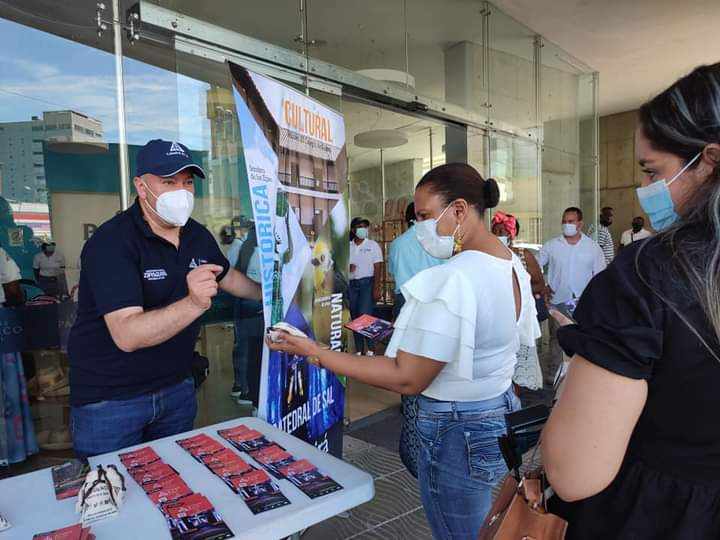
[28, 501]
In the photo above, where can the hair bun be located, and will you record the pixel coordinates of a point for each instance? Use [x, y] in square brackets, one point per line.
[491, 191]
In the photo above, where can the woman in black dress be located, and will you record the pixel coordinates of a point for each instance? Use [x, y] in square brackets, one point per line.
[633, 446]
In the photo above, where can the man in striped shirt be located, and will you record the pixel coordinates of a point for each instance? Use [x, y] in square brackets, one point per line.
[604, 238]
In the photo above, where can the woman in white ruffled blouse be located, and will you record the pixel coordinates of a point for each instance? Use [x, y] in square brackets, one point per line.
[454, 344]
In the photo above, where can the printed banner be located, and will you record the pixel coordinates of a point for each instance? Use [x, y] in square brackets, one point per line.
[294, 149]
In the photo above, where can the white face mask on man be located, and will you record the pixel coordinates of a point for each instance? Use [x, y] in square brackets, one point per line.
[440, 247]
[569, 229]
[173, 207]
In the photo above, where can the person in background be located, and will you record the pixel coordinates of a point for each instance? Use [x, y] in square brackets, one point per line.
[365, 268]
[637, 232]
[17, 434]
[249, 325]
[407, 258]
[632, 448]
[572, 260]
[454, 343]
[604, 238]
[528, 373]
[49, 270]
[228, 238]
[234, 235]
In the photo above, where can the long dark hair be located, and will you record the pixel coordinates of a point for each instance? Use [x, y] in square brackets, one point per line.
[683, 120]
[461, 181]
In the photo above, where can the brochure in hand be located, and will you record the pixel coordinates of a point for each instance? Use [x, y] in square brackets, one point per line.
[68, 478]
[566, 308]
[371, 327]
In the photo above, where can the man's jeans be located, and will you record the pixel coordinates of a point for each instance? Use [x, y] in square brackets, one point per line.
[361, 303]
[107, 426]
[459, 461]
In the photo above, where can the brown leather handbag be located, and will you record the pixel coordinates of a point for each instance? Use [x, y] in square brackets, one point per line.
[520, 512]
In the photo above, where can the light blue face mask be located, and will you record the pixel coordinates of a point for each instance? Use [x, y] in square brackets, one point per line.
[657, 202]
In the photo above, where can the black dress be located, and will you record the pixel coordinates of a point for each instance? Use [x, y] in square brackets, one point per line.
[669, 483]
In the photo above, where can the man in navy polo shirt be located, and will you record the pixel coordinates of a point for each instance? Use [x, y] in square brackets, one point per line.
[147, 276]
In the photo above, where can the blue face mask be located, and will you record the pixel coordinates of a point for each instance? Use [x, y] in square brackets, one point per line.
[657, 202]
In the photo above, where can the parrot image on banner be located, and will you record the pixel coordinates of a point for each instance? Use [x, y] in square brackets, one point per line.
[323, 266]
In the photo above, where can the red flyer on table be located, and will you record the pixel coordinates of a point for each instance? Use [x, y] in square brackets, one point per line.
[229, 470]
[139, 458]
[246, 435]
[242, 428]
[299, 467]
[194, 518]
[258, 491]
[194, 441]
[188, 506]
[209, 448]
[73, 532]
[308, 479]
[273, 458]
[256, 477]
[249, 441]
[153, 473]
[223, 456]
[166, 483]
[270, 454]
[172, 489]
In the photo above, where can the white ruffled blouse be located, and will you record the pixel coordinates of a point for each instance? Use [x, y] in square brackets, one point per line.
[463, 314]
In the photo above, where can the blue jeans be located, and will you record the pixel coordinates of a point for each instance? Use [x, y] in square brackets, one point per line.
[459, 461]
[110, 425]
[361, 303]
[247, 315]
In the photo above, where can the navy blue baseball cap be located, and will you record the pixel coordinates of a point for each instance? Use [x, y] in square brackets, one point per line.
[165, 158]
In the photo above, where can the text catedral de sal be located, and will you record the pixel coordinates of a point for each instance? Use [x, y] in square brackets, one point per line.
[302, 415]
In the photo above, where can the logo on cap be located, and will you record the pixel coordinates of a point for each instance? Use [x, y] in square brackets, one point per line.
[176, 149]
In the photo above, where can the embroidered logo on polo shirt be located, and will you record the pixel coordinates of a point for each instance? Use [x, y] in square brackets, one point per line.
[195, 263]
[176, 149]
[155, 274]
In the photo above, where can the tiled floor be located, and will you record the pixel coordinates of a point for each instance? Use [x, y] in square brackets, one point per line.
[364, 400]
[394, 513]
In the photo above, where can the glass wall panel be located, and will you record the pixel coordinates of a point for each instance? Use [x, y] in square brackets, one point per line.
[561, 77]
[58, 135]
[589, 148]
[512, 76]
[446, 51]
[59, 180]
[360, 36]
[514, 164]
